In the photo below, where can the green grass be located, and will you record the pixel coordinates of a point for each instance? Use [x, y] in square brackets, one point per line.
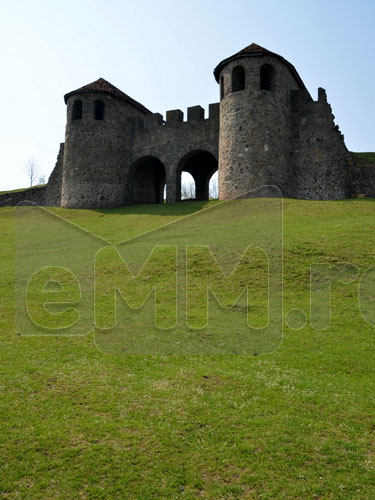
[364, 158]
[77, 422]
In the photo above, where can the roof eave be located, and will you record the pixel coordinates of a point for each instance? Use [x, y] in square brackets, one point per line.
[125, 99]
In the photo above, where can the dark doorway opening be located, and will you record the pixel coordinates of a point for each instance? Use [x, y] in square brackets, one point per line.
[77, 110]
[148, 181]
[266, 77]
[99, 110]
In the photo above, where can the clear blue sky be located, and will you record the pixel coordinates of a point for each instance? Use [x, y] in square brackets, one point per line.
[163, 52]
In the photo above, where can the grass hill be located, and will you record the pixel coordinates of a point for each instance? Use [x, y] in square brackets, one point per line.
[364, 158]
[78, 422]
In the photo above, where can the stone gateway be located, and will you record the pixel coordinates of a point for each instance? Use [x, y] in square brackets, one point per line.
[266, 130]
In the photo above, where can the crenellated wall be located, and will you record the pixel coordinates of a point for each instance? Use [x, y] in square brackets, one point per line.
[172, 142]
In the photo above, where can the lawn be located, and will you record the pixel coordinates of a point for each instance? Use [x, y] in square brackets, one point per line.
[81, 421]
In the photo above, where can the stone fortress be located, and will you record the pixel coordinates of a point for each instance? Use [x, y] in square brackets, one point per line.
[266, 130]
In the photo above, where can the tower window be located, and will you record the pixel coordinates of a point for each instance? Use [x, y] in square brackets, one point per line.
[77, 110]
[267, 75]
[238, 79]
[99, 110]
[222, 87]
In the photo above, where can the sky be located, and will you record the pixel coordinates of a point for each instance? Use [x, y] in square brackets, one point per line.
[162, 53]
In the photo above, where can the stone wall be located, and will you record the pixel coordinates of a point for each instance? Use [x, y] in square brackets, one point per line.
[319, 153]
[362, 178]
[34, 194]
[53, 187]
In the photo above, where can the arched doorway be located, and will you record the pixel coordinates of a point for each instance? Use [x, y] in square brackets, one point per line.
[201, 165]
[148, 181]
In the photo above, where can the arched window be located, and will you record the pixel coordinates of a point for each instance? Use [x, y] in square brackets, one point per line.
[222, 87]
[77, 110]
[267, 76]
[238, 79]
[99, 110]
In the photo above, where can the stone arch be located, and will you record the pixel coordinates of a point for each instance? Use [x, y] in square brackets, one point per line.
[147, 180]
[201, 164]
[238, 79]
[267, 77]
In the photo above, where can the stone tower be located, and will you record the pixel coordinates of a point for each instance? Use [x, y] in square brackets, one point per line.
[255, 121]
[99, 130]
[273, 133]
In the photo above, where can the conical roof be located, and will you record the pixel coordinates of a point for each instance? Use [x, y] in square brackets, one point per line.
[102, 85]
[255, 50]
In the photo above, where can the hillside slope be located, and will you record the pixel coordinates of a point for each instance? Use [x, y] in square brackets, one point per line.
[76, 421]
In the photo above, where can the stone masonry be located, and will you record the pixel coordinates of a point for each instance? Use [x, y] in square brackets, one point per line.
[266, 130]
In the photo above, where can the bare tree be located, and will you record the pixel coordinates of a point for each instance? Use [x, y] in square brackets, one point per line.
[42, 179]
[214, 191]
[31, 169]
[188, 190]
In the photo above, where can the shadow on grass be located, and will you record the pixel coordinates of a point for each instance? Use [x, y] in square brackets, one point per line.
[178, 209]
